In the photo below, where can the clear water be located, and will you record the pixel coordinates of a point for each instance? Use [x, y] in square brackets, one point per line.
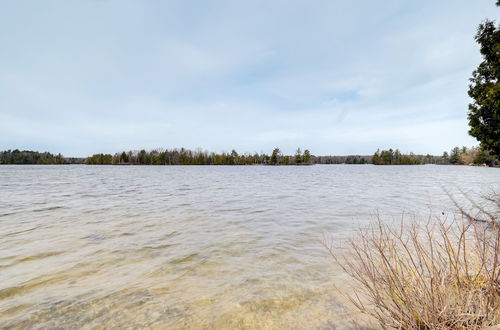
[196, 247]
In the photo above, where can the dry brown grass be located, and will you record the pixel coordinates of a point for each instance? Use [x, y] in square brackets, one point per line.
[441, 274]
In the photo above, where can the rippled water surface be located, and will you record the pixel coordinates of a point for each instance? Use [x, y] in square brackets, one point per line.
[195, 247]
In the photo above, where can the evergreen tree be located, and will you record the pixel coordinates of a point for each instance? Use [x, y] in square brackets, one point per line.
[298, 156]
[484, 157]
[124, 158]
[455, 156]
[484, 111]
[445, 158]
[376, 158]
[275, 157]
[307, 156]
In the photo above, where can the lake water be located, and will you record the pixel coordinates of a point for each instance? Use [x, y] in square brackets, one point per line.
[196, 246]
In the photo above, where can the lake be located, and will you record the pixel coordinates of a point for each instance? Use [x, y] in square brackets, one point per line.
[198, 246]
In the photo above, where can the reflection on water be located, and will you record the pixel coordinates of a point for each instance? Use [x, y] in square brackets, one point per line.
[195, 247]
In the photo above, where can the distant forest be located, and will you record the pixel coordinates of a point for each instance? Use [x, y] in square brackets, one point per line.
[457, 156]
[34, 157]
[183, 156]
[188, 157]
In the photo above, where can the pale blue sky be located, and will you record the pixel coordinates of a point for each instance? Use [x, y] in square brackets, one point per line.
[337, 77]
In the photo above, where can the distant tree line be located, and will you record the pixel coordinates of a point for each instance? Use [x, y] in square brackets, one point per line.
[188, 157]
[17, 156]
[395, 157]
[470, 156]
[457, 156]
[351, 159]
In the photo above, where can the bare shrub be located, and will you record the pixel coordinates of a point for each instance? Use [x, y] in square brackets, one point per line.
[440, 274]
[487, 210]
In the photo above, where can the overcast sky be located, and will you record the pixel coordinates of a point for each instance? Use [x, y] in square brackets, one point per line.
[337, 77]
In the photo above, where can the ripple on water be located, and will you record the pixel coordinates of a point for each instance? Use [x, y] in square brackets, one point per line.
[194, 247]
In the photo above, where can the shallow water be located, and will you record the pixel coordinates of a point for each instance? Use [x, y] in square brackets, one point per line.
[196, 246]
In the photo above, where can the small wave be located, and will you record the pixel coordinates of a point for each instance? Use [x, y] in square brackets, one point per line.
[30, 285]
[170, 235]
[40, 256]
[22, 231]
[157, 247]
[9, 213]
[50, 208]
[185, 259]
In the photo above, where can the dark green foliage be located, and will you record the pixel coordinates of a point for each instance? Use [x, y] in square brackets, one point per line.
[455, 156]
[395, 157]
[298, 156]
[306, 157]
[356, 160]
[484, 157]
[275, 157]
[99, 159]
[188, 157]
[484, 111]
[351, 159]
[124, 158]
[234, 158]
[34, 157]
[445, 158]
